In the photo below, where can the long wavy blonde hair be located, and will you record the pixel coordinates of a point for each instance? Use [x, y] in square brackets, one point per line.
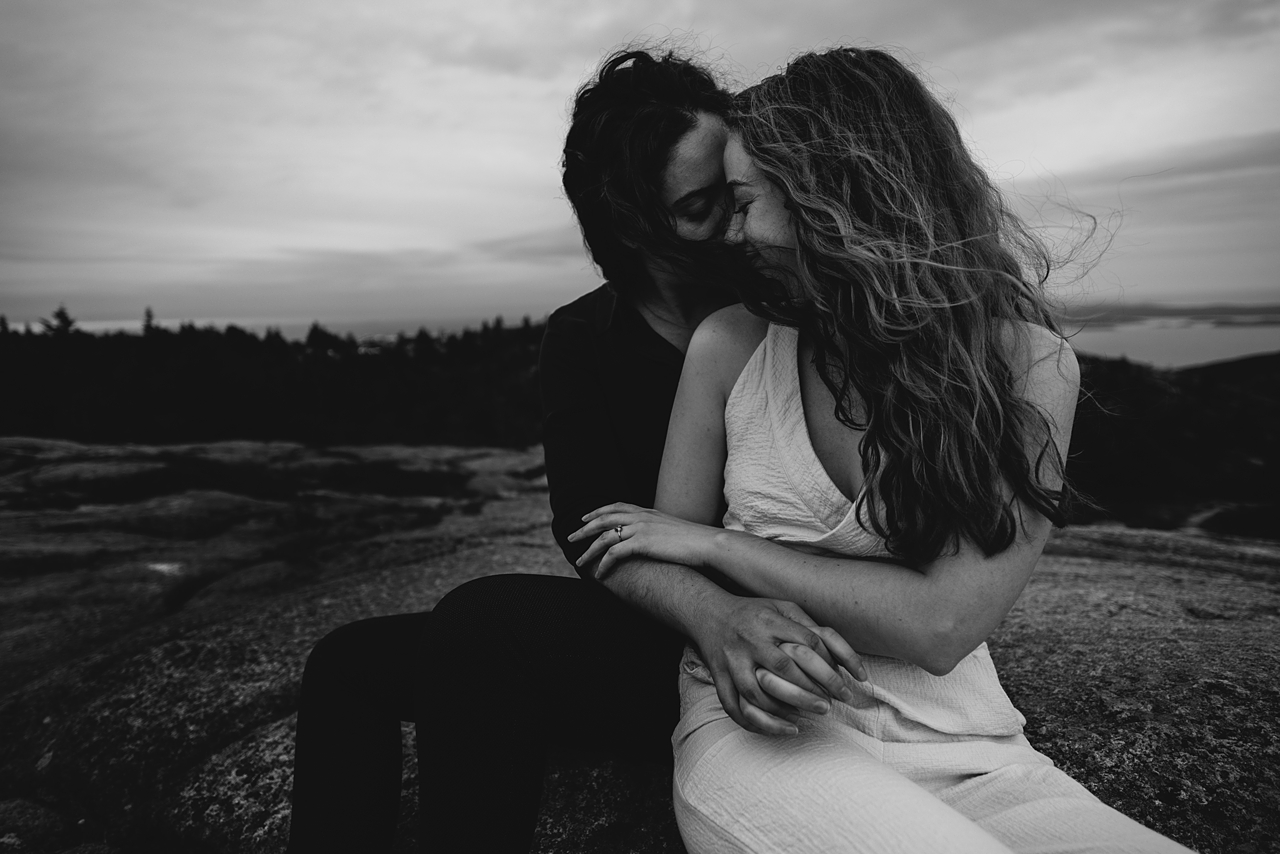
[910, 267]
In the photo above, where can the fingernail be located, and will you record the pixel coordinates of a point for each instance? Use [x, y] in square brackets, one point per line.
[792, 730]
[846, 694]
[821, 707]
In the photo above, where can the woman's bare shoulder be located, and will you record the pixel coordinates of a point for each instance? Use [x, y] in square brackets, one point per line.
[724, 342]
[732, 332]
[734, 319]
[1044, 365]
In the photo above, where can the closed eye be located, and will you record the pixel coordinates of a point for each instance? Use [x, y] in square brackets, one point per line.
[698, 213]
[699, 204]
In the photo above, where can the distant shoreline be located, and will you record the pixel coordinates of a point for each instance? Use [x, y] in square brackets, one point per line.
[1094, 315]
[1165, 336]
[1220, 314]
[1177, 341]
[1161, 335]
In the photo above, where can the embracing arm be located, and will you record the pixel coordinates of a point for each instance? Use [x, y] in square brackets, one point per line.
[584, 461]
[587, 463]
[932, 617]
[936, 616]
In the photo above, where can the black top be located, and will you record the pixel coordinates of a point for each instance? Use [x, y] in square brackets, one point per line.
[608, 383]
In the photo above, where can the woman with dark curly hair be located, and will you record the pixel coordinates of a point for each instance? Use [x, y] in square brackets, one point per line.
[507, 667]
[882, 430]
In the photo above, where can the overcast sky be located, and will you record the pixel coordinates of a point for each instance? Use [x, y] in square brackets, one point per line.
[349, 160]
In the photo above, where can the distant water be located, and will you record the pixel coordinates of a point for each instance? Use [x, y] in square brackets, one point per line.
[1175, 342]
[1166, 342]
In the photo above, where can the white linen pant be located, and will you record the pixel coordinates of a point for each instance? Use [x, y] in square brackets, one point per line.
[833, 788]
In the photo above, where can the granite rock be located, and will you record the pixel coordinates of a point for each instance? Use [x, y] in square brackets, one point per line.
[1145, 662]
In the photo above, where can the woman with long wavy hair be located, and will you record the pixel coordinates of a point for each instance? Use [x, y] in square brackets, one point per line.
[882, 431]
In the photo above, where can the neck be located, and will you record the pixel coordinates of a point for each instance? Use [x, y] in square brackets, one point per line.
[674, 310]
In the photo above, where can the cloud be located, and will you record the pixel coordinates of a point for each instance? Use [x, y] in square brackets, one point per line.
[1218, 182]
[1226, 155]
[553, 245]
[1191, 224]
[274, 154]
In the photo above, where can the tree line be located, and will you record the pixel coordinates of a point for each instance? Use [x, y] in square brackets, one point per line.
[199, 384]
[1150, 447]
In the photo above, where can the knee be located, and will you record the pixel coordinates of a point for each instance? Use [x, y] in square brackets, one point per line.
[471, 594]
[496, 600]
[502, 617]
[470, 618]
[337, 653]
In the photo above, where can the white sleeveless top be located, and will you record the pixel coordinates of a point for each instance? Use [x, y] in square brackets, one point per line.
[776, 488]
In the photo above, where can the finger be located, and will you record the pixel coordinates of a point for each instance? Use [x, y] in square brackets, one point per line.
[787, 692]
[749, 689]
[735, 705]
[596, 550]
[600, 573]
[728, 695]
[793, 611]
[598, 526]
[618, 552]
[844, 653]
[600, 511]
[593, 552]
[778, 662]
[764, 723]
[790, 630]
[616, 507]
[818, 670]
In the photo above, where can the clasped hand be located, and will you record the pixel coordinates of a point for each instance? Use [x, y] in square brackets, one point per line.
[769, 660]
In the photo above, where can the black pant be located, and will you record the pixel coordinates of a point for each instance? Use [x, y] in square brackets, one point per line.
[504, 668]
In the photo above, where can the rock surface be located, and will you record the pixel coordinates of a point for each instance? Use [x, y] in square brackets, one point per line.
[158, 605]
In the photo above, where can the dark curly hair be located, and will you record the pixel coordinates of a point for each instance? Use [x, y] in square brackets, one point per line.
[911, 274]
[625, 122]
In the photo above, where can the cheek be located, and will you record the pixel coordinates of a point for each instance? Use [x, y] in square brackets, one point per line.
[695, 230]
[774, 230]
[785, 233]
[784, 227]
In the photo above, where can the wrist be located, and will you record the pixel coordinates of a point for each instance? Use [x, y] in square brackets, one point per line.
[702, 608]
[720, 550]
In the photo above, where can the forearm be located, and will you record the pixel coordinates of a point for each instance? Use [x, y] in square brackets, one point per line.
[675, 595]
[740, 638]
[879, 608]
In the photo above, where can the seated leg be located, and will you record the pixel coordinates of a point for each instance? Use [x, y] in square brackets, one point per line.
[347, 757]
[823, 790]
[514, 665]
[1038, 809]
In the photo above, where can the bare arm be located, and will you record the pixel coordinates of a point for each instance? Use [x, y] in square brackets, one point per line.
[932, 617]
